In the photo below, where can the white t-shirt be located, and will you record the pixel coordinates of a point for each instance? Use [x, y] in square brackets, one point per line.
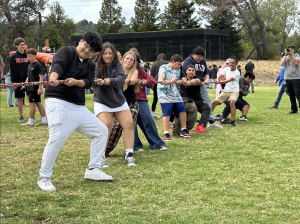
[232, 86]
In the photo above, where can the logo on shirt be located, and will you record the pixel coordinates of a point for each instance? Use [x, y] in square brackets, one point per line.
[199, 67]
[21, 60]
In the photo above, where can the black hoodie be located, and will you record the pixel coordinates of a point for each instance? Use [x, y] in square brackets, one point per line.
[18, 67]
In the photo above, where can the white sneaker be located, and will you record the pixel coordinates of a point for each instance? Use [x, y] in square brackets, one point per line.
[214, 125]
[97, 174]
[45, 184]
[154, 115]
[163, 148]
[139, 150]
[129, 159]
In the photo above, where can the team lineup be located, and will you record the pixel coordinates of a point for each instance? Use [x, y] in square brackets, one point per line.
[120, 100]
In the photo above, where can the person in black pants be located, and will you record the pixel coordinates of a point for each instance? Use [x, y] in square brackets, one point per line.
[161, 60]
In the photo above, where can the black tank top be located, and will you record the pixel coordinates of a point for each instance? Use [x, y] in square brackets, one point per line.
[130, 94]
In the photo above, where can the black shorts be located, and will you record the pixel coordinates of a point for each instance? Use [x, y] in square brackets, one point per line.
[34, 97]
[19, 93]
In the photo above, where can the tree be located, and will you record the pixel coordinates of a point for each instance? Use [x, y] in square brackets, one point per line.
[225, 21]
[146, 15]
[111, 19]
[83, 26]
[179, 15]
[65, 26]
[55, 40]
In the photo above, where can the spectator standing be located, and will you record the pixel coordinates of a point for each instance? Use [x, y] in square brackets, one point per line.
[18, 72]
[10, 90]
[292, 77]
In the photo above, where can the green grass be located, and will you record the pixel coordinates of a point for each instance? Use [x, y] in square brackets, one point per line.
[244, 174]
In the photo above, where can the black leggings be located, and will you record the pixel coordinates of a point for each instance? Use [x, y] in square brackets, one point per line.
[155, 99]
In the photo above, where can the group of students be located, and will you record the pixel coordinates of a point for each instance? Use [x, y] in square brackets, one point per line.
[120, 101]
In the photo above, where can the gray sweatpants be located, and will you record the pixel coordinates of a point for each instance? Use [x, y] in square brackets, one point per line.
[205, 97]
[63, 119]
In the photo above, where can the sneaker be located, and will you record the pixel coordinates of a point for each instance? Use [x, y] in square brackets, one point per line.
[273, 107]
[21, 119]
[214, 125]
[233, 124]
[154, 115]
[200, 128]
[45, 184]
[16, 105]
[26, 125]
[104, 164]
[139, 150]
[185, 133]
[163, 148]
[225, 121]
[10, 105]
[293, 112]
[243, 118]
[129, 159]
[41, 124]
[97, 174]
[34, 120]
[167, 137]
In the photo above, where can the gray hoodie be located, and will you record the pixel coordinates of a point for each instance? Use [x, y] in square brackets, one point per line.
[111, 95]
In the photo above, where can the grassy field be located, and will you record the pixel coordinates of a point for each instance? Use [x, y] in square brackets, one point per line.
[244, 174]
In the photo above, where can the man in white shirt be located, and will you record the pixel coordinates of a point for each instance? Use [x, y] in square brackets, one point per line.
[231, 90]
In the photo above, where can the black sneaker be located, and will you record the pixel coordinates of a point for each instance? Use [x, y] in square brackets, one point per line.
[21, 119]
[185, 133]
[293, 112]
[10, 105]
[243, 118]
[233, 123]
[226, 121]
[167, 137]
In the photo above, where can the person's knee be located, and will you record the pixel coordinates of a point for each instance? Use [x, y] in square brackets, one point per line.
[128, 125]
[232, 103]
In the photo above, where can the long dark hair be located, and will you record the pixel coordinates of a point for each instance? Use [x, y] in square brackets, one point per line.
[102, 67]
[6, 65]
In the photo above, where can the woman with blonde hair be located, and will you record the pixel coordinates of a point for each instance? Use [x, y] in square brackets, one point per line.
[220, 87]
[115, 87]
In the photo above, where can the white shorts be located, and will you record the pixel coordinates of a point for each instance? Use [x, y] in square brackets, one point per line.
[99, 108]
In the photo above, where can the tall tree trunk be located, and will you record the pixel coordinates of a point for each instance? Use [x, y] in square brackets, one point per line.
[250, 29]
[261, 25]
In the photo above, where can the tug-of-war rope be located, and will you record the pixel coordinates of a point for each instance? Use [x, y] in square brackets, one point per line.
[24, 84]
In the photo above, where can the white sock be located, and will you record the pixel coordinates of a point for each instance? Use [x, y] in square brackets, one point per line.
[30, 121]
[44, 120]
[128, 151]
[166, 132]
[183, 128]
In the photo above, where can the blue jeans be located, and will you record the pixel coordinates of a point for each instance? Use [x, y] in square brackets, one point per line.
[148, 127]
[10, 91]
[279, 94]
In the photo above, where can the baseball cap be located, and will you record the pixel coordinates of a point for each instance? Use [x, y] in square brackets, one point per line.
[291, 46]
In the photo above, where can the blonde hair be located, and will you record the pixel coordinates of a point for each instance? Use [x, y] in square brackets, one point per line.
[227, 61]
[130, 71]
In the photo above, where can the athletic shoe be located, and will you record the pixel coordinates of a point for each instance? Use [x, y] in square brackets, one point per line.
[154, 115]
[45, 184]
[41, 124]
[214, 125]
[200, 128]
[167, 137]
[10, 105]
[103, 163]
[16, 105]
[26, 125]
[162, 148]
[185, 133]
[292, 112]
[139, 150]
[273, 107]
[243, 118]
[226, 121]
[233, 124]
[129, 159]
[21, 119]
[97, 174]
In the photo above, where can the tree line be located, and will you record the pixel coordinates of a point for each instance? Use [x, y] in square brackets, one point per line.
[265, 26]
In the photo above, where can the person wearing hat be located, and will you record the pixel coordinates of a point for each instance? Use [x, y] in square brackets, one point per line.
[292, 76]
[249, 67]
